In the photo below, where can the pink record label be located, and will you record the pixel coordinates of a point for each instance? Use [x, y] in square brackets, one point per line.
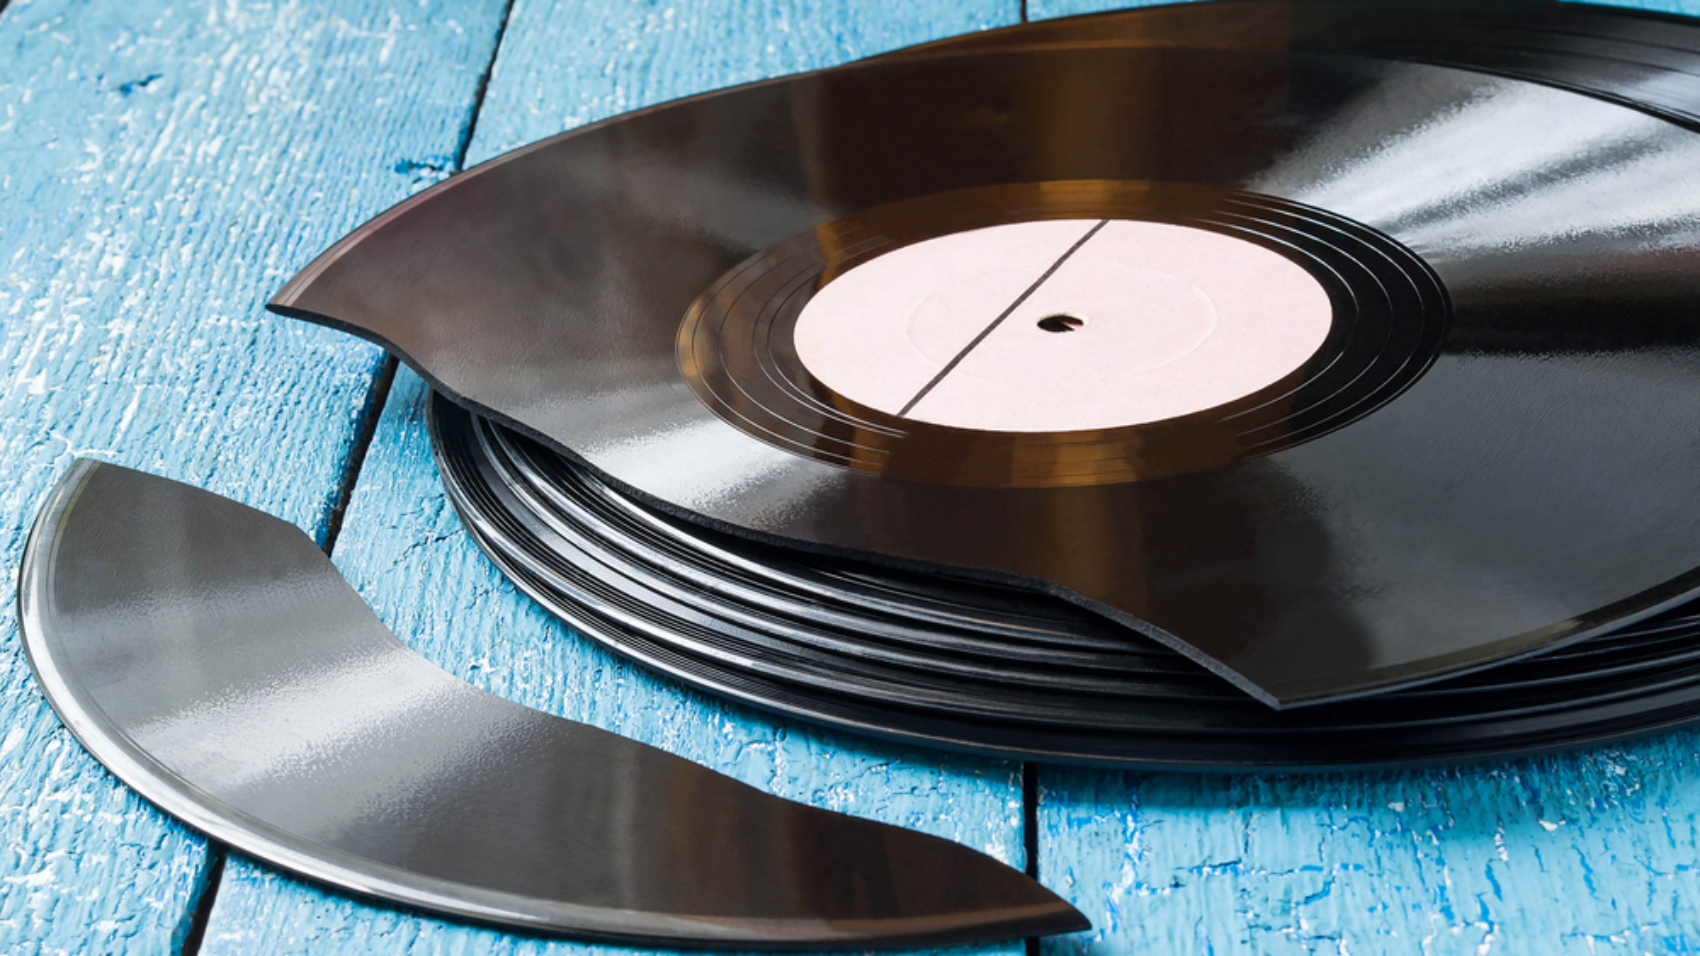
[1063, 325]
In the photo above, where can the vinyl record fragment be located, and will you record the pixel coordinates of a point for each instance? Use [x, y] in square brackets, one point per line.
[1340, 347]
[212, 658]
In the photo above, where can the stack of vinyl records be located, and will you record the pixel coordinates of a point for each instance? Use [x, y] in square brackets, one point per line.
[949, 661]
[1237, 385]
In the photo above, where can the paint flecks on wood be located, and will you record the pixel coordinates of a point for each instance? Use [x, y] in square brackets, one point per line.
[163, 167]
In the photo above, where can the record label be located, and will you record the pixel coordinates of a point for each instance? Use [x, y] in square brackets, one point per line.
[1063, 325]
[1061, 333]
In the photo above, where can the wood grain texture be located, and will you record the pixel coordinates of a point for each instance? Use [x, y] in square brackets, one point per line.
[1593, 852]
[163, 167]
[565, 64]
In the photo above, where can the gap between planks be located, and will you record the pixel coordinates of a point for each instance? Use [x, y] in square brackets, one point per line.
[1030, 807]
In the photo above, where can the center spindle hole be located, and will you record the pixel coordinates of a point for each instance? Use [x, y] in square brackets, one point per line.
[1061, 322]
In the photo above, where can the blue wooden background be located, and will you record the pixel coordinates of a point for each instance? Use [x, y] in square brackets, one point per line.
[166, 164]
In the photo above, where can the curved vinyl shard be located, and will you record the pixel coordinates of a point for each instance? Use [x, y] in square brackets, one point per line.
[211, 656]
[1527, 485]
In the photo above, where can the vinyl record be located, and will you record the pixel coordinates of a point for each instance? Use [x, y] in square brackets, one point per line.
[1338, 347]
[946, 662]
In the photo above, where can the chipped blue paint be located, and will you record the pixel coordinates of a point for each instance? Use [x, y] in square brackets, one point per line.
[163, 166]
[1587, 852]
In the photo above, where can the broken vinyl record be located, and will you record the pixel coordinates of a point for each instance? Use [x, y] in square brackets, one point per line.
[211, 657]
[1340, 347]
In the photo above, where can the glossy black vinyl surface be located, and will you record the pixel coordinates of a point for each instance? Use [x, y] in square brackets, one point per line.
[957, 663]
[211, 656]
[1534, 485]
[1642, 60]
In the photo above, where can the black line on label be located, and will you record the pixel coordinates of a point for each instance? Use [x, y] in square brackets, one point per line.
[953, 363]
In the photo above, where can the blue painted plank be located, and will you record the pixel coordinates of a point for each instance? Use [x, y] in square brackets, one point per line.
[163, 167]
[1593, 852]
[402, 546]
